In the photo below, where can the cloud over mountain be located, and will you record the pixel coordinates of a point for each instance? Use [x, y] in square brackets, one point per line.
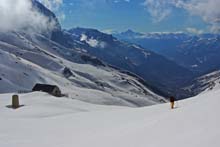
[20, 14]
[52, 4]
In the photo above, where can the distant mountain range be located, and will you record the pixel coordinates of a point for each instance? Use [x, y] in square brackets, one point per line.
[198, 53]
[99, 67]
[158, 71]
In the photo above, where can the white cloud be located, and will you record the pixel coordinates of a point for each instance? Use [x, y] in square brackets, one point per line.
[194, 30]
[117, 1]
[109, 31]
[158, 9]
[83, 37]
[92, 42]
[52, 4]
[208, 10]
[215, 28]
[19, 14]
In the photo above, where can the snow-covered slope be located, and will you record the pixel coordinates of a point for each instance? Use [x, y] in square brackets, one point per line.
[28, 56]
[168, 78]
[205, 83]
[47, 121]
[27, 59]
[50, 47]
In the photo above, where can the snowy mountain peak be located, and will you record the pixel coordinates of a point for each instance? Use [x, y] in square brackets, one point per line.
[60, 59]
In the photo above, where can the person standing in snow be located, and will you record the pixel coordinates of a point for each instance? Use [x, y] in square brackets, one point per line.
[172, 100]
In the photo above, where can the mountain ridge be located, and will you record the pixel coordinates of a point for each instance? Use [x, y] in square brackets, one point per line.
[132, 57]
[198, 53]
[30, 58]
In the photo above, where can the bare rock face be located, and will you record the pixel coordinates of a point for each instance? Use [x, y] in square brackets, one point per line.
[67, 72]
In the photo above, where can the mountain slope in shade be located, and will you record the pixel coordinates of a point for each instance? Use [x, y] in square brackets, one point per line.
[155, 69]
[200, 54]
[197, 53]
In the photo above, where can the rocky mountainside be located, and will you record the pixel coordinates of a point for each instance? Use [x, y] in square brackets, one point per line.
[155, 69]
[205, 83]
[199, 54]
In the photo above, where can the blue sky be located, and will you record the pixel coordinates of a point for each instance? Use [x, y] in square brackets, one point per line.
[139, 15]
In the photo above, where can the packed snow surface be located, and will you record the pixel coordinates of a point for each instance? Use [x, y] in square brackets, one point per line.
[46, 121]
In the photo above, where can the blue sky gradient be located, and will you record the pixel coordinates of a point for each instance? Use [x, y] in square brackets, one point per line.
[120, 15]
